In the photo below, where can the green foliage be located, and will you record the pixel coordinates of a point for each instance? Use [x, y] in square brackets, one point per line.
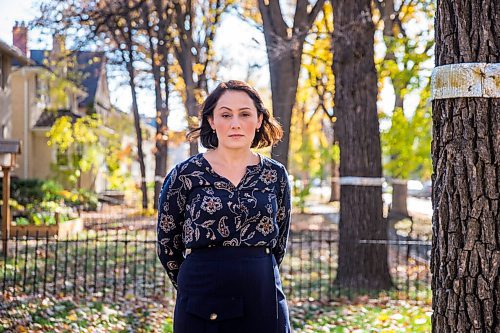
[80, 140]
[42, 214]
[300, 192]
[81, 199]
[35, 201]
[405, 65]
[51, 314]
[42, 218]
[364, 317]
[407, 143]
[34, 191]
[118, 157]
[311, 148]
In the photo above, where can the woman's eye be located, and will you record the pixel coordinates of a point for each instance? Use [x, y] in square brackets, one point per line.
[246, 115]
[226, 116]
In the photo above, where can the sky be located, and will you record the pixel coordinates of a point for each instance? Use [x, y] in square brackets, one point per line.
[237, 42]
[233, 42]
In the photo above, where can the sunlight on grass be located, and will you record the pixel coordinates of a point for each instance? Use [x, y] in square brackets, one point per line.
[130, 314]
[368, 317]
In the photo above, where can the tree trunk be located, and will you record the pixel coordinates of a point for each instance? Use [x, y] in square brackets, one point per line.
[183, 15]
[335, 186]
[185, 18]
[160, 52]
[186, 59]
[335, 169]
[135, 109]
[360, 266]
[284, 79]
[137, 126]
[399, 207]
[284, 52]
[466, 181]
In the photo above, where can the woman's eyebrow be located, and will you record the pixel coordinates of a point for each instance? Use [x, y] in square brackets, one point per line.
[242, 108]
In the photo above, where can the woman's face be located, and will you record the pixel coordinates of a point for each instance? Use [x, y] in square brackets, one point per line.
[235, 120]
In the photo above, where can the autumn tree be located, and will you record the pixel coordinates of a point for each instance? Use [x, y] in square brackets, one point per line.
[317, 60]
[157, 17]
[466, 164]
[77, 143]
[310, 148]
[360, 151]
[116, 24]
[194, 27]
[284, 46]
[75, 138]
[406, 29]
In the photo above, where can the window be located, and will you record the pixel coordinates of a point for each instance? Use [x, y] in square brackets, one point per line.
[62, 157]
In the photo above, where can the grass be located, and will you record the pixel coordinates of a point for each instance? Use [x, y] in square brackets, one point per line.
[367, 316]
[65, 314]
[131, 314]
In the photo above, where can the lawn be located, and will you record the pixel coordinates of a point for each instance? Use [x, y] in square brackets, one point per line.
[368, 316]
[130, 314]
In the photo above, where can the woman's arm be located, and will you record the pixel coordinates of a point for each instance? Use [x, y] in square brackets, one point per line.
[171, 208]
[283, 216]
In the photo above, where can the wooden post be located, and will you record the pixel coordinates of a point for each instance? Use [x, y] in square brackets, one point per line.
[5, 208]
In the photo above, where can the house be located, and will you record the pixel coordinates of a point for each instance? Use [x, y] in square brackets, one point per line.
[8, 54]
[30, 101]
[86, 94]
[33, 104]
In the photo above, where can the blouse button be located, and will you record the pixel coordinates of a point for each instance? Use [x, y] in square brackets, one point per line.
[213, 316]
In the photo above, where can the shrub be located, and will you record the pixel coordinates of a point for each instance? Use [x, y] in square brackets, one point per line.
[35, 201]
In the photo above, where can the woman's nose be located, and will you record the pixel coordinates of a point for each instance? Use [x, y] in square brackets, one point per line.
[235, 123]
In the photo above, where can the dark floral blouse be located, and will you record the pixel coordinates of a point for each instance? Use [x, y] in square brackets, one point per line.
[199, 208]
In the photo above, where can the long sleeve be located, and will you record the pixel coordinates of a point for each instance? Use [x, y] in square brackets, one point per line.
[283, 217]
[171, 209]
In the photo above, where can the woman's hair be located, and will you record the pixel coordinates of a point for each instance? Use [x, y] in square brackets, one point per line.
[269, 133]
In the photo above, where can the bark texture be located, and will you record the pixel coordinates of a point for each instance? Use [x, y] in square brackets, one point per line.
[361, 266]
[284, 51]
[334, 184]
[195, 48]
[159, 57]
[399, 206]
[466, 180]
[128, 59]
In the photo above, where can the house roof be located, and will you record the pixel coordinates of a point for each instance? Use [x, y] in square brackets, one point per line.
[14, 52]
[10, 146]
[48, 118]
[38, 56]
[90, 64]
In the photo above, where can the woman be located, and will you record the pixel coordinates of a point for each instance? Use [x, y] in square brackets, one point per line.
[224, 218]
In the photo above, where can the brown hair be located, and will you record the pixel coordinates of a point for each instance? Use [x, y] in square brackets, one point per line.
[269, 133]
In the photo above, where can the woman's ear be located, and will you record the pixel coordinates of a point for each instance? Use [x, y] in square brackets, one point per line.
[211, 122]
[261, 118]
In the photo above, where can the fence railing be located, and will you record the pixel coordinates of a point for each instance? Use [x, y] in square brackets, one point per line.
[117, 263]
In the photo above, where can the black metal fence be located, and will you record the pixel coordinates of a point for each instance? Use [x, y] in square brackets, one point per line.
[123, 263]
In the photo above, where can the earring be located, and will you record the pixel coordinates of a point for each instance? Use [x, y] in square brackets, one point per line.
[213, 131]
[257, 130]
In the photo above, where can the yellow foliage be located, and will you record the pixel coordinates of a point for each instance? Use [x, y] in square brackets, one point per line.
[198, 68]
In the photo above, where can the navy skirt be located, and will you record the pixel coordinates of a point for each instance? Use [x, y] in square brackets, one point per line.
[230, 290]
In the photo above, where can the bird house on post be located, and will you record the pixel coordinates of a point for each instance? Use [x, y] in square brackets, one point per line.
[9, 149]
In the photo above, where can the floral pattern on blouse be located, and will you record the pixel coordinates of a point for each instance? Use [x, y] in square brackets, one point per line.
[199, 208]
